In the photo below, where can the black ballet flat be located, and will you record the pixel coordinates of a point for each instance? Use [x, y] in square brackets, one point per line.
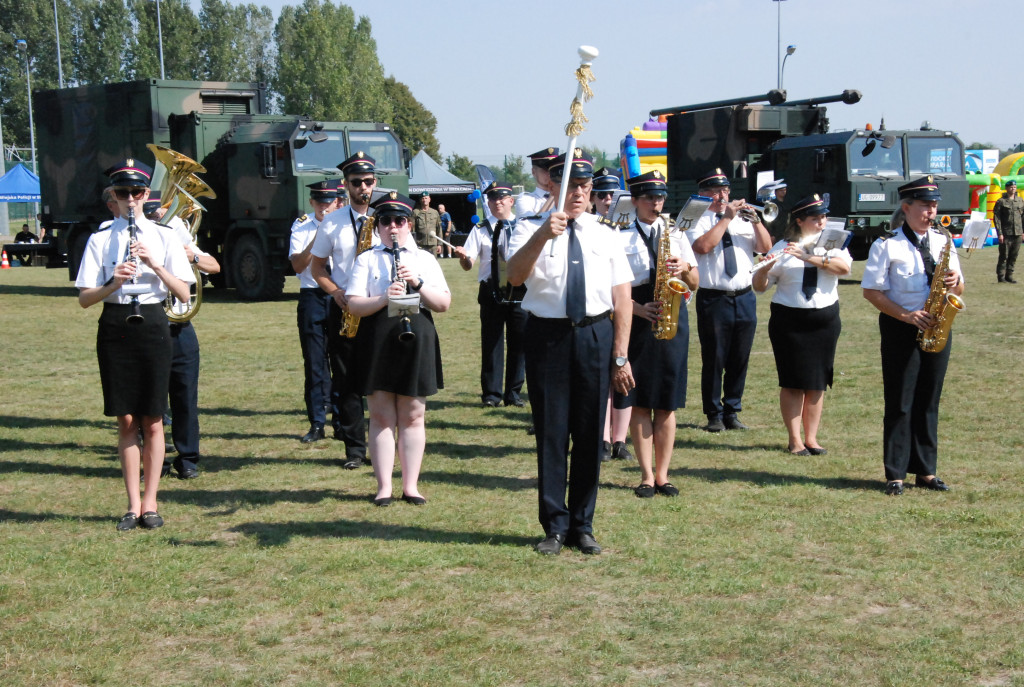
[818, 451]
[128, 522]
[383, 502]
[414, 500]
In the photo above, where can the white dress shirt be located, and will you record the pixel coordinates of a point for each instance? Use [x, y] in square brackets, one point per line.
[338, 240]
[640, 257]
[712, 265]
[372, 271]
[304, 229]
[788, 273]
[531, 202]
[604, 263]
[895, 266]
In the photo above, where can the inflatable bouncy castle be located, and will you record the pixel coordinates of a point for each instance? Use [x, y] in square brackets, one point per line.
[644, 149]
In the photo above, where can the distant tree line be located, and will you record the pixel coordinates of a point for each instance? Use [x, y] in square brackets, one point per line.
[318, 59]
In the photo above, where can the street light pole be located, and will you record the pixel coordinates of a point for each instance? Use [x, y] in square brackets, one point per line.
[790, 49]
[778, 43]
[56, 32]
[4, 224]
[23, 48]
[160, 39]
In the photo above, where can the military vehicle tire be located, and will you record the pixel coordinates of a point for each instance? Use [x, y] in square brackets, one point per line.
[251, 273]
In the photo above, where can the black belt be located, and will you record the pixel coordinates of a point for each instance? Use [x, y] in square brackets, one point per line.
[719, 292]
[312, 289]
[585, 322]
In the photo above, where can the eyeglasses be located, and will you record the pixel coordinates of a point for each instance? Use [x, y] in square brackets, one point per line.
[366, 181]
[126, 193]
[604, 195]
[392, 221]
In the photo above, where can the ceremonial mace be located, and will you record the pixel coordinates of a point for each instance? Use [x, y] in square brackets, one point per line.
[575, 127]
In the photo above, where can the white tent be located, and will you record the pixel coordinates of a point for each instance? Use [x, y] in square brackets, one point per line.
[425, 175]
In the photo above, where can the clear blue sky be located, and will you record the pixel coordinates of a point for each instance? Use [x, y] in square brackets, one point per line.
[498, 76]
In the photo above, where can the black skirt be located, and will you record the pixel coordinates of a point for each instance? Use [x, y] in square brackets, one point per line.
[135, 360]
[386, 363]
[804, 342]
[659, 366]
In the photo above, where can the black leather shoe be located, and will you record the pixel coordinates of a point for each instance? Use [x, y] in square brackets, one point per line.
[383, 502]
[666, 489]
[587, 544]
[802, 452]
[817, 451]
[606, 452]
[315, 433]
[490, 403]
[551, 546]
[894, 488]
[620, 452]
[188, 473]
[414, 500]
[714, 425]
[531, 430]
[151, 520]
[352, 462]
[128, 522]
[515, 402]
[733, 422]
[169, 448]
[935, 484]
[644, 491]
[1010, 280]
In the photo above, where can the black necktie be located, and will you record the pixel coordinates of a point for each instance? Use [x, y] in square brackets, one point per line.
[575, 284]
[649, 242]
[730, 257]
[810, 284]
[923, 248]
[497, 262]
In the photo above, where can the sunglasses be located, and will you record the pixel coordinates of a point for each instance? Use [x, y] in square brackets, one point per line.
[393, 221]
[605, 194]
[126, 193]
[356, 183]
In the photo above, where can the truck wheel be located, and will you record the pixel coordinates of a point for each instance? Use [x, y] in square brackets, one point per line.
[253, 278]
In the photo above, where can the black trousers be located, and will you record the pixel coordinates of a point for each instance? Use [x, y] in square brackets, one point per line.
[183, 391]
[349, 423]
[311, 316]
[501, 322]
[567, 369]
[726, 326]
[912, 384]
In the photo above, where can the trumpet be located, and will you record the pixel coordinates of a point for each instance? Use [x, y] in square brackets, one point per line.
[769, 211]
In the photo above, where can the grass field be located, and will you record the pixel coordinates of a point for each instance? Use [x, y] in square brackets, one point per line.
[275, 569]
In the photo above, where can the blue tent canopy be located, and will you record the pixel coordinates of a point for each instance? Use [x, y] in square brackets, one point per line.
[19, 186]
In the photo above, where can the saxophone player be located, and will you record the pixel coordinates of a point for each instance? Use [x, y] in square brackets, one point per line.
[337, 240]
[659, 365]
[897, 280]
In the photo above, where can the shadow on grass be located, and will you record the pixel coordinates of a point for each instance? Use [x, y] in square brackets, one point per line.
[22, 518]
[280, 533]
[25, 422]
[239, 498]
[761, 478]
[48, 291]
[9, 466]
[449, 451]
[244, 412]
[469, 479]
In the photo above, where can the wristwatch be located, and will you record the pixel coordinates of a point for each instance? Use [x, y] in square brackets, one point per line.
[620, 361]
[195, 258]
[419, 285]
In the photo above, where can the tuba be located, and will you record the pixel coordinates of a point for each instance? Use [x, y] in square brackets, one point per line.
[941, 305]
[176, 178]
[668, 291]
[350, 322]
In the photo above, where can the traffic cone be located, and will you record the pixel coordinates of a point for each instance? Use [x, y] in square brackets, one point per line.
[5, 265]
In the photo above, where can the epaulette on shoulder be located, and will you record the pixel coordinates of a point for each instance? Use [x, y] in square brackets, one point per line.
[607, 222]
[303, 218]
[482, 224]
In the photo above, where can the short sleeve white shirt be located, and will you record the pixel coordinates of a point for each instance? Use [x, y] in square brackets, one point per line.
[895, 266]
[788, 275]
[639, 256]
[304, 229]
[712, 265]
[337, 240]
[371, 273]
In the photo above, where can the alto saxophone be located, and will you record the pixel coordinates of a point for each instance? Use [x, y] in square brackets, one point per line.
[350, 322]
[941, 305]
[668, 291]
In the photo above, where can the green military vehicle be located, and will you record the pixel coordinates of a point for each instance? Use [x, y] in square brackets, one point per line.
[257, 163]
[859, 169]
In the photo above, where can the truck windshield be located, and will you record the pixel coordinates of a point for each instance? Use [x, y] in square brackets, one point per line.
[935, 155]
[879, 161]
[324, 155]
[380, 145]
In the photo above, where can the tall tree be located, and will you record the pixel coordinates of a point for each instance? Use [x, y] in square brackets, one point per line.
[235, 43]
[461, 166]
[180, 29]
[327, 64]
[513, 173]
[31, 21]
[413, 123]
[100, 33]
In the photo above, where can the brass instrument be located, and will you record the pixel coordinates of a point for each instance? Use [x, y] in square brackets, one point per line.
[668, 291]
[135, 316]
[176, 178]
[769, 211]
[350, 322]
[941, 305]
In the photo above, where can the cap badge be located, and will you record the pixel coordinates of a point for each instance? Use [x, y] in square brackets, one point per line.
[360, 154]
[130, 162]
[393, 195]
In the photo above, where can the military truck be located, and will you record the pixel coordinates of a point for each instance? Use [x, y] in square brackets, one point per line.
[859, 169]
[257, 163]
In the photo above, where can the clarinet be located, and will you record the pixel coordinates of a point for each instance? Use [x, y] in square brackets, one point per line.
[136, 315]
[407, 334]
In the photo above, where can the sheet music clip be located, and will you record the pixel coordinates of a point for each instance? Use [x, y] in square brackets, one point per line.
[130, 289]
[402, 306]
[691, 211]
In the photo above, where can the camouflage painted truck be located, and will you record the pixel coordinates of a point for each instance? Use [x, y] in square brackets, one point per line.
[859, 169]
[257, 163]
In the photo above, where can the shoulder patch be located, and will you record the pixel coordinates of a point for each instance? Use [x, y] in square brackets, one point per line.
[303, 218]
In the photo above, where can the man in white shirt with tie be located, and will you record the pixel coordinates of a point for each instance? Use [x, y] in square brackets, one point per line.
[726, 308]
[538, 200]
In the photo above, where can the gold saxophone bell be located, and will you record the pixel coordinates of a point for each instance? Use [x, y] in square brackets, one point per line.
[941, 305]
[350, 322]
[670, 292]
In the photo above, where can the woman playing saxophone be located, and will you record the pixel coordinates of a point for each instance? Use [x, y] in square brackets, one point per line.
[898, 280]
